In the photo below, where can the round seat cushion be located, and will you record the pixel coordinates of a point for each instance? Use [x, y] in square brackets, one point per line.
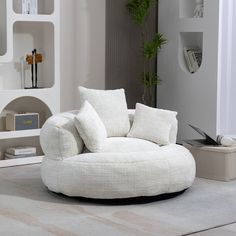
[133, 173]
[124, 145]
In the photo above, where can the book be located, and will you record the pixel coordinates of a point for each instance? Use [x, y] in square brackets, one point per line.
[187, 59]
[198, 55]
[193, 58]
[16, 151]
[10, 156]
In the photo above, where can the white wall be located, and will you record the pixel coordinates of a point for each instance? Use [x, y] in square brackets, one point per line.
[194, 96]
[83, 31]
[90, 44]
[68, 62]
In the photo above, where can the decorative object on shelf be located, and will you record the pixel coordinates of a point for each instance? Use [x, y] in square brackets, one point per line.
[193, 58]
[139, 12]
[199, 9]
[20, 152]
[30, 7]
[22, 121]
[22, 72]
[33, 60]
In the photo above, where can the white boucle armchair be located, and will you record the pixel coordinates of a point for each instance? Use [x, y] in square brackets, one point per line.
[125, 168]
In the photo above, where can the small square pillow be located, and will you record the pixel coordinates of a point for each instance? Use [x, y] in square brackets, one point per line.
[111, 107]
[152, 124]
[90, 128]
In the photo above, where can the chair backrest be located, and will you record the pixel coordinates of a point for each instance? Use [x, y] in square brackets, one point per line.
[60, 139]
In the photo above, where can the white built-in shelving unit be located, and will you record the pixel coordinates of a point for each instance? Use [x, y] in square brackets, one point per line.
[204, 98]
[19, 35]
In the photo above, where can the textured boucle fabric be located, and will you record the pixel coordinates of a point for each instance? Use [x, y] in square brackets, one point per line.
[123, 168]
[124, 145]
[111, 107]
[153, 124]
[59, 137]
[121, 175]
[90, 128]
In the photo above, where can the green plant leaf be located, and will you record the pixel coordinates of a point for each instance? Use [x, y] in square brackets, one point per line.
[150, 79]
[139, 10]
[151, 48]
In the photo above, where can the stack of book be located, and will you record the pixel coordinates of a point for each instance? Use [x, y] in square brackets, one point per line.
[20, 152]
[193, 57]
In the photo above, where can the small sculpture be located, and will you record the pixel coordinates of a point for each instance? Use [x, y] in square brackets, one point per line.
[198, 12]
[33, 60]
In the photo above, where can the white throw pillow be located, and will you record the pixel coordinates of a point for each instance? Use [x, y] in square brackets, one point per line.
[111, 107]
[152, 124]
[90, 128]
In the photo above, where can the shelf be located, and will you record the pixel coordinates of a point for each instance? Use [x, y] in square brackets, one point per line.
[42, 92]
[26, 37]
[20, 34]
[189, 40]
[45, 7]
[19, 134]
[20, 141]
[21, 161]
[3, 28]
[187, 7]
[24, 104]
[34, 18]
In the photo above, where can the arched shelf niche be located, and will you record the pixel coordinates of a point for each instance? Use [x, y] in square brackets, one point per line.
[25, 104]
[192, 40]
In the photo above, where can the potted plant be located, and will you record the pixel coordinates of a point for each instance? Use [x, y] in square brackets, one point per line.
[139, 11]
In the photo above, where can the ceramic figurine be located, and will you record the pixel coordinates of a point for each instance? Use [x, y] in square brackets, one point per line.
[198, 12]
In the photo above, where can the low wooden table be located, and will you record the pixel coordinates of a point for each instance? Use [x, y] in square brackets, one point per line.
[217, 163]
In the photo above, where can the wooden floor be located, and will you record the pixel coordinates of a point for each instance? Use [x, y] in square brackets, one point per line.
[229, 230]
[28, 208]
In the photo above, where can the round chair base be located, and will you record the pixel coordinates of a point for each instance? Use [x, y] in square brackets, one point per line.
[167, 170]
[123, 201]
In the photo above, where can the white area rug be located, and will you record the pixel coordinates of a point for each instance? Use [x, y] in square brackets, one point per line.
[27, 208]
